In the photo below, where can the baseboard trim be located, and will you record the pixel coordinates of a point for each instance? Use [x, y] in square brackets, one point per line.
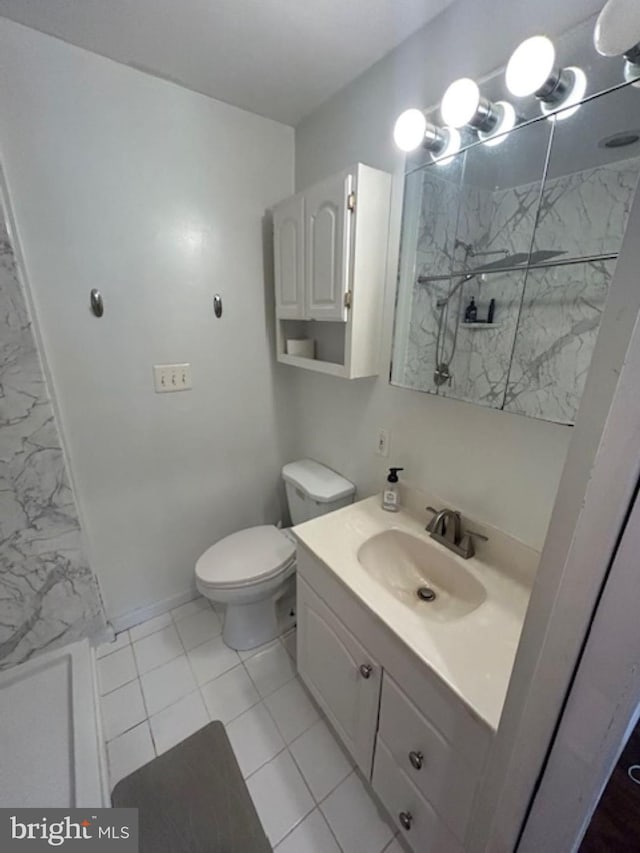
[135, 617]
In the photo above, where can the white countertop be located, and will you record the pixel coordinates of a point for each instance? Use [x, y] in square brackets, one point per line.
[473, 654]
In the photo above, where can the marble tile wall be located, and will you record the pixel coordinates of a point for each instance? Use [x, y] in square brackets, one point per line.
[557, 331]
[535, 361]
[48, 594]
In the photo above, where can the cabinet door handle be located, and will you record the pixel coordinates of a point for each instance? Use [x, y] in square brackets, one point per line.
[406, 819]
[416, 759]
[365, 670]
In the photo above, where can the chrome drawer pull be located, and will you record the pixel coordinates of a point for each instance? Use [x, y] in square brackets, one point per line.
[365, 670]
[416, 759]
[406, 819]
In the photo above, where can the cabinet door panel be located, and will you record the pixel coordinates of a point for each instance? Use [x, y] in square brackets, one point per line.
[288, 245]
[328, 248]
[330, 661]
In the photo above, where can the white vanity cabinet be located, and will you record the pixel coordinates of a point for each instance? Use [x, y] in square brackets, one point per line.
[422, 749]
[330, 246]
[342, 676]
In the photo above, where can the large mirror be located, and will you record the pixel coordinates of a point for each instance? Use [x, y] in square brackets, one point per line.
[507, 254]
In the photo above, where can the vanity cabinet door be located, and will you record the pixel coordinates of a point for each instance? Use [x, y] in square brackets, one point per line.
[288, 248]
[340, 673]
[328, 236]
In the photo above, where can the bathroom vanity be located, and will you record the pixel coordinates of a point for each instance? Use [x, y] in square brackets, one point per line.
[414, 688]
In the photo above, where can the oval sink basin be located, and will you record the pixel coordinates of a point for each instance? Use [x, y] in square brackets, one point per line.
[412, 569]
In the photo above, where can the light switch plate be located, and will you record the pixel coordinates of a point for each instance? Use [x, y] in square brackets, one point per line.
[171, 377]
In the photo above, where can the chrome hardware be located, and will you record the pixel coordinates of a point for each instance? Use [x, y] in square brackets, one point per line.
[365, 670]
[351, 202]
[446, 528]
[425, 593]
[442, 374]
[477, 535]
[347, 299]
[97, 302]
[406, 819]
[416, 759]
[217, 305]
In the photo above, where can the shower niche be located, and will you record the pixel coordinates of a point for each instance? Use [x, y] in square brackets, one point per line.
[526, 234]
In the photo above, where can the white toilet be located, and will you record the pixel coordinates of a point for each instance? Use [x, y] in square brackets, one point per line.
[252, 571]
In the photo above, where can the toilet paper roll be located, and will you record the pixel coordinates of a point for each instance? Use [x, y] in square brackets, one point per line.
[304, 347]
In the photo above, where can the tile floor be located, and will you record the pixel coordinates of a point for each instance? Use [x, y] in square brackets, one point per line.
[164, 679]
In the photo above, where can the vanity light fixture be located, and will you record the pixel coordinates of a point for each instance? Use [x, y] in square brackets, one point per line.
[507, 120]
[412, 130]
[452, 144]
[617, 33]
[532, 70]
[462, 104]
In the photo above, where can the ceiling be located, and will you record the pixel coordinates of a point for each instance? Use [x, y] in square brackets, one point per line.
[277, 58]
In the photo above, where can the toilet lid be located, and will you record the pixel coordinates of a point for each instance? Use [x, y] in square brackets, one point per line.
[248, 555]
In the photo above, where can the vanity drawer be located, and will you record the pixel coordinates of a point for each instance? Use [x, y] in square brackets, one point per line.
[438, 770]
[412, 814]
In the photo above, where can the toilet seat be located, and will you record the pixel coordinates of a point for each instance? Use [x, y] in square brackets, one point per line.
[246, 557]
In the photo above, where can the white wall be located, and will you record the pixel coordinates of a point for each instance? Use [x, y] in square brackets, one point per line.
[500, 468]
[111, 174]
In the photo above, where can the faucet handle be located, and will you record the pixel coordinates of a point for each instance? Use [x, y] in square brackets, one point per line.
[477, 535]
[429, 527]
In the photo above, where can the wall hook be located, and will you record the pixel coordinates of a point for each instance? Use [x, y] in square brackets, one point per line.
[217, 305]
[97, 302]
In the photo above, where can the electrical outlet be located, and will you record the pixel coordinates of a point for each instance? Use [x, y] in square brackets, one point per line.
[382, 444]
[171, 377]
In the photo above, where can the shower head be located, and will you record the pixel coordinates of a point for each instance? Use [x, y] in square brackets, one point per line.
[509, 261]
[518, 259]
[544, 255]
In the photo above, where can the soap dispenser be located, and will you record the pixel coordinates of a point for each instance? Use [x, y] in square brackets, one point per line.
[391, 495]
[471, 312]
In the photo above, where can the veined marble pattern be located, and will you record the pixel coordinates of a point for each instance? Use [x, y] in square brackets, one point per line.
[586, 213]
[437, 226]
[422, 336]
[557, 331]
[545, 352]
[501, 221]
[480, 366]
[48, 595]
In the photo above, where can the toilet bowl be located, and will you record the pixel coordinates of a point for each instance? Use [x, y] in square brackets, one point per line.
[248, 572]
[252, 572]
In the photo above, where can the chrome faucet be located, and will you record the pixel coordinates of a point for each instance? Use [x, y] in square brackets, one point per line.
[446, 528]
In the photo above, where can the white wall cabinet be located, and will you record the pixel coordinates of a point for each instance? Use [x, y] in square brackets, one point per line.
[330, 246]
[421, 748]
[288, 242]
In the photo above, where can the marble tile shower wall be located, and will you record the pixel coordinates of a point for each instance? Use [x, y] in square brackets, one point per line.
[48, 595]
[535, 361]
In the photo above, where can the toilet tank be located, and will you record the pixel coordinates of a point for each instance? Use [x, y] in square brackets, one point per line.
[313, 490]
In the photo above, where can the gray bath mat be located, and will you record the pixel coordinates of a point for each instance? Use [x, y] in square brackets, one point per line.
[193, 799]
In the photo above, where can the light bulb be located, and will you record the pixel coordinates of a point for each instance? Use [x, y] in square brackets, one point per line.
[617, 28]
[460, 102]
[507, 119]
[409, 130]
[530, 66]
[570, 103]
